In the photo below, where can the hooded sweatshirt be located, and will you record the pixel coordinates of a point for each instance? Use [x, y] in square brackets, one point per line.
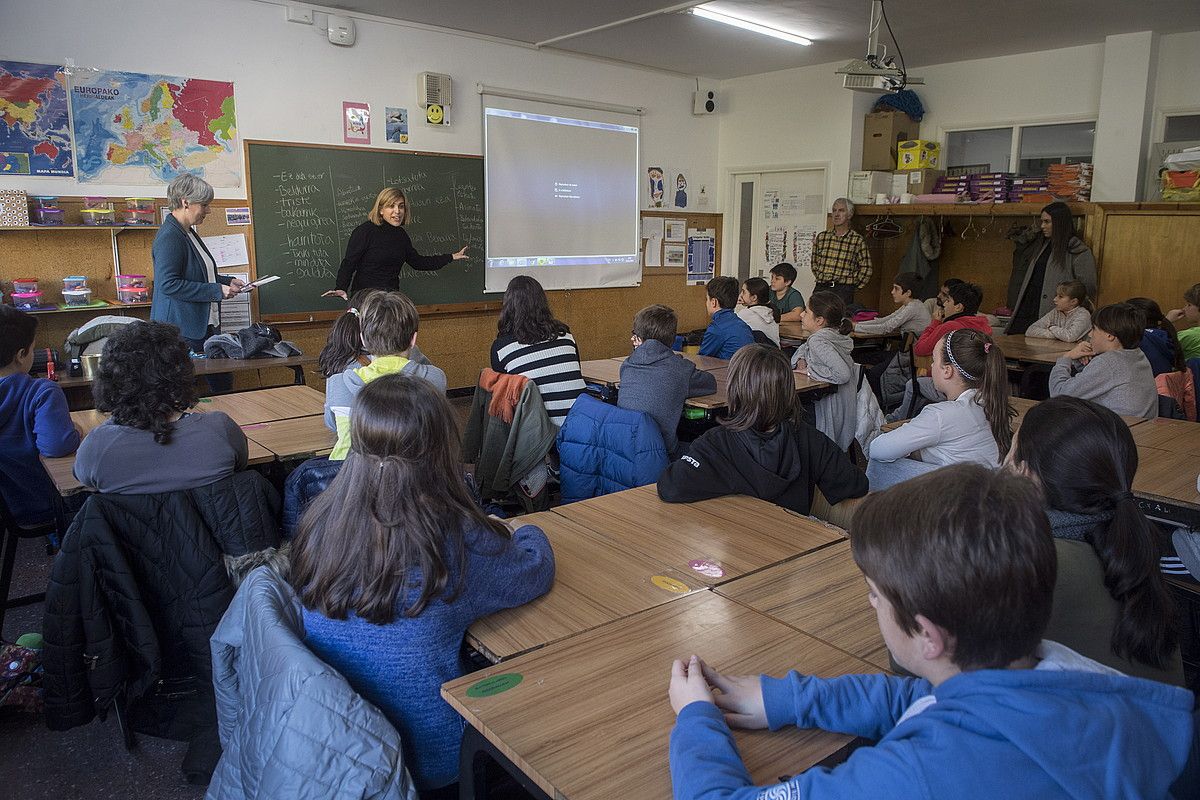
[341, 389]
[655, 379]
[761, 319]
[936, 330]
[1119, 380]
[782, 466]
[1070, 728]
[828, 356]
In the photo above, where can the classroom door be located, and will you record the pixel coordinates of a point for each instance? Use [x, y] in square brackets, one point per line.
[775, 216]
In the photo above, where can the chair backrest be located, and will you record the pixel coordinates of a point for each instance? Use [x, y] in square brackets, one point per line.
[762, 338]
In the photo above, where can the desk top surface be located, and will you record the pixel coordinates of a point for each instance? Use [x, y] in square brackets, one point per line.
[217, 366]
[1174, 435]
[590, 718]
[595, 581]
[266, 405]
[293, 438]
[1167, 476]
[712, 541]
[822, 594]
[1037, 351]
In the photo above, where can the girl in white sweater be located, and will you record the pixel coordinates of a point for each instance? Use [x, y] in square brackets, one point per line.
[755, 309]
[974, 425]
[1071, 318]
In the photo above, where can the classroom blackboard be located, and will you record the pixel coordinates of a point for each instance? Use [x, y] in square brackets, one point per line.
[306, 199]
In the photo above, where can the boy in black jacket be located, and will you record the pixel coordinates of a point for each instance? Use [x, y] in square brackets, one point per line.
[763, 449]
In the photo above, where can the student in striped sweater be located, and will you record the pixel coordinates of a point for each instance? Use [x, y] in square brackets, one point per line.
[531, 342]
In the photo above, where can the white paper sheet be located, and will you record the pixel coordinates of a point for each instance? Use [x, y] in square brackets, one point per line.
[228, 250]
[676, 230]
[652, 227]
[653, 252]
[235, 311]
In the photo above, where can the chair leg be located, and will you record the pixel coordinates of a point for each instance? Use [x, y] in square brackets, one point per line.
[8, 556]
[127, 737]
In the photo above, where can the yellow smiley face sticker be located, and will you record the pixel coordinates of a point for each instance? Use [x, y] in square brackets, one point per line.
[434, 114]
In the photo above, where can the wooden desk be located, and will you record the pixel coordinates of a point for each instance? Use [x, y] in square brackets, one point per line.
[590, 719]
[601, 370]
[1167, 477]
[1032, 351]
[724, 538]
[302, 437]
[220, 366]
[595, 582]
[266, 405]
[1022, 406]
[1172, 435]
[822, 594]
[720, 398]
[795, 331]
[703, 363]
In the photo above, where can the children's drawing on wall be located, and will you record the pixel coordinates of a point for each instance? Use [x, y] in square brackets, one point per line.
[397, 125]
[655, 186]
[680, 191]
[356, 123]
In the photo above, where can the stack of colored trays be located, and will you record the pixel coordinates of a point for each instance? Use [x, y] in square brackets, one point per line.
[1070, 181]
[991, 187]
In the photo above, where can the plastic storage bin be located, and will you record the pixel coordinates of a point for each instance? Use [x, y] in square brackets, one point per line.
[23, 285]
[77, 297]
[98, 216]
[133, 295]
[47, 216]
[27, 300]
[72, 282]
[135, 216]
[43, 201]
[132, 282]
[98, 202]
[140, 204]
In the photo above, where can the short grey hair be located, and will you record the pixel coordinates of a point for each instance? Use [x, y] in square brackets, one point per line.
[188, 187]
[847, 203]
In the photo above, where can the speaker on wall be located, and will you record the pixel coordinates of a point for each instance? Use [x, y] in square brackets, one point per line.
[704, 103]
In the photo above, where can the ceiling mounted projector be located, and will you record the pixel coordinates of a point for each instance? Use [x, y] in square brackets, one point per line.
[878, 72]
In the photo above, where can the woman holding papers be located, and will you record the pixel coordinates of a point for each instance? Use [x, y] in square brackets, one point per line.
[187, 288]
[380, 247]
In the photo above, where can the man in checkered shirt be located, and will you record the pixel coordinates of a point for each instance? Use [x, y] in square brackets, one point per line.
[840, 259]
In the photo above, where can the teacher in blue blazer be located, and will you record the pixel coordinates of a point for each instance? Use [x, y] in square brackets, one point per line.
[187, 288]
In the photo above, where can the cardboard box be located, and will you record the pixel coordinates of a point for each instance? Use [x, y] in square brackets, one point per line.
[882, 131]
[865, 184]
[921, 181]
[918, 154]
[14, 207]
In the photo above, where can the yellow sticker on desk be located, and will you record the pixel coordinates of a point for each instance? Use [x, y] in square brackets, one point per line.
[670, 584]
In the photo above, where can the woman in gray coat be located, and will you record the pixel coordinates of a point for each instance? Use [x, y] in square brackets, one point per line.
[1062, 257]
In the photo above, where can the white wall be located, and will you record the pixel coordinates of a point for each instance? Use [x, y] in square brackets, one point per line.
[289, 82]
[1177, 87]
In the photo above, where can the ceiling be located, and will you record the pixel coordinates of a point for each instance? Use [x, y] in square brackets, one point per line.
[929, 32]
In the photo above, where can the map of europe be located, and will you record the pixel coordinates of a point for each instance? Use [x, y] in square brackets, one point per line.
[34, 135]
[148, 129]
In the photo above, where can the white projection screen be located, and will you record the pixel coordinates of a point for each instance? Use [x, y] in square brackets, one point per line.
[561, 186]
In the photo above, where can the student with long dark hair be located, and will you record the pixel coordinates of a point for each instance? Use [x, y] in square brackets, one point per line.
[1159, 341]
[973, 425]
[1062, 257]
[531, 342]
[394, 561]
[1110, 602]
[154, 442]
[763, 448]
[756, 310]
[344, 347]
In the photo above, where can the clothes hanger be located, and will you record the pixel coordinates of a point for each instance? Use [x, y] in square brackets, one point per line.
[970, 227]
[886, 228]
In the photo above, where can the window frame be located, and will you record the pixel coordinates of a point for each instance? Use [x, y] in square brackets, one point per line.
[1014, 153]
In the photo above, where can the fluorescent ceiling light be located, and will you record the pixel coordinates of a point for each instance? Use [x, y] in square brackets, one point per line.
[747, 25]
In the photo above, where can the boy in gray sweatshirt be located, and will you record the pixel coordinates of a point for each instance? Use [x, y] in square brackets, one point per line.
[655, 379]
[1108, 367]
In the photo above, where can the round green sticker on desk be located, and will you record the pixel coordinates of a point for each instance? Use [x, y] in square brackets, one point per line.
[495, 684]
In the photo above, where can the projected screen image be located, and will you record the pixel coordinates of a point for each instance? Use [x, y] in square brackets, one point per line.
[562, 200]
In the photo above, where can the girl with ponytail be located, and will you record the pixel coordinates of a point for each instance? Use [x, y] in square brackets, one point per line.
[825, 356]
[973, 425]
[1110, 601]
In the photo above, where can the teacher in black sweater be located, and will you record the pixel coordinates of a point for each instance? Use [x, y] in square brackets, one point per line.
[379, 247]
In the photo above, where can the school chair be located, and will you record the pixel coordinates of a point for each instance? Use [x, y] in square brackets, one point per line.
[13, 534]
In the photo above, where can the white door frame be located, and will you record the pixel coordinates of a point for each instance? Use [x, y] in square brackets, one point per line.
[730, 207]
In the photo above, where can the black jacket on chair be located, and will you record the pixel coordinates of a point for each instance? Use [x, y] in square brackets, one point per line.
[136, 592]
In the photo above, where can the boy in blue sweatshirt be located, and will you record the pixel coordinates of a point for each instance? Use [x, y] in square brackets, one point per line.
[726, 331]
[962, 596]
[33, 421]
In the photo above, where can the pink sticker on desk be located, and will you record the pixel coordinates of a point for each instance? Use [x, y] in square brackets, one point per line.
[708, 568]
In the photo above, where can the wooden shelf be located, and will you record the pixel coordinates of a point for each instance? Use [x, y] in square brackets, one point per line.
[74, 309]
[114, 228]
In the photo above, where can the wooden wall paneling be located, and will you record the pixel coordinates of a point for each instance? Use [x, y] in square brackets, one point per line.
[1149, 253]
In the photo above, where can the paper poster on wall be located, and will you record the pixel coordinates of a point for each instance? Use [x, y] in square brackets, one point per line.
[356, 123]
[776, 245]
[237, 216]
[802, 242]
[654, 187]
[234, 311]
[814, 204]
[771, 204]
[396, 124]
[653, 252]
[676, 229]
[681, 196]
[651, 227]
[701, 254]
[228, 250]
[674, 255]
[35, 134]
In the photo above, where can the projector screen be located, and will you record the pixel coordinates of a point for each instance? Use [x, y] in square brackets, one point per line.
[561, 188]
